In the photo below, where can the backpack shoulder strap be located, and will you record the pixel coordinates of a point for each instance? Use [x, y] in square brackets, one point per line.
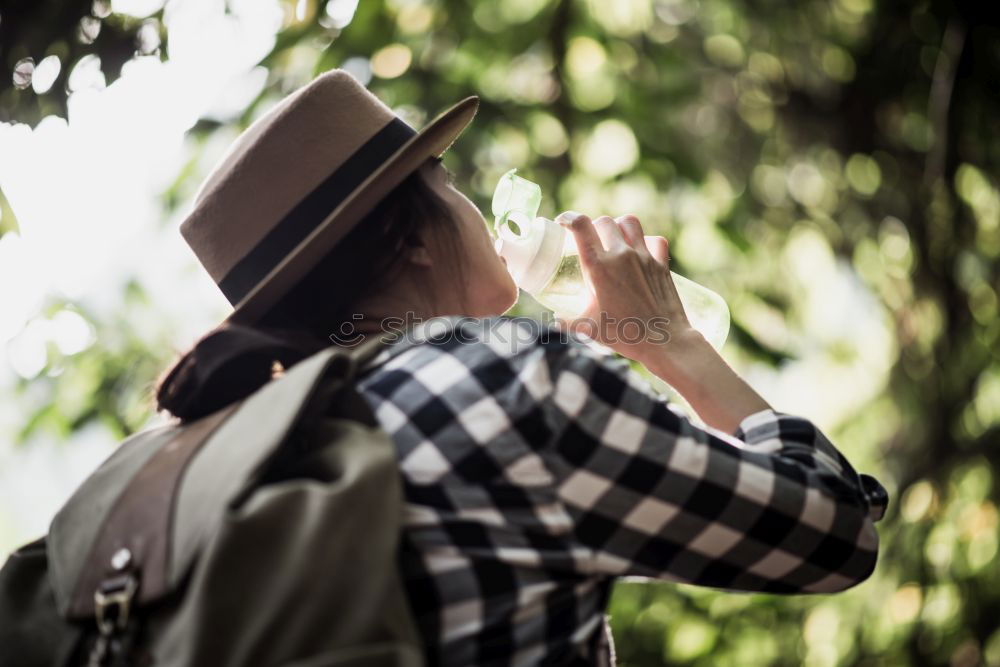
[157, 511]
[136, 528]
[370, 350]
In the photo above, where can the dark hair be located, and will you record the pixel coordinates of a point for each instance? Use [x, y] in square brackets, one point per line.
[234, 360]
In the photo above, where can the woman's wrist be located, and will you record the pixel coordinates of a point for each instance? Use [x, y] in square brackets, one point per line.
[670, 360]
[690, 364]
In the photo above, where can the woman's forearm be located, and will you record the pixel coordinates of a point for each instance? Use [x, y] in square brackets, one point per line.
[691, 365]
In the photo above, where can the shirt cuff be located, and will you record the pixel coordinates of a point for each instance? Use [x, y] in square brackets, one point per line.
[754, 422]
[877, 496]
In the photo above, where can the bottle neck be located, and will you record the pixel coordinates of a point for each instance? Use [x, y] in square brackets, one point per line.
[534, 254]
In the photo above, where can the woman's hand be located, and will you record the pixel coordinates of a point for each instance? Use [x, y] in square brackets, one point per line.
[635, 309]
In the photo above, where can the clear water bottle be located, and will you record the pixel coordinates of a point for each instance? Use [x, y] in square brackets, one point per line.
[543, 260]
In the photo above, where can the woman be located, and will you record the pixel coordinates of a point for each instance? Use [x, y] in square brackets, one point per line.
[536, 469]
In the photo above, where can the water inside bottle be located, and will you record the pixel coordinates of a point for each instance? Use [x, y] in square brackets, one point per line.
[566, 294]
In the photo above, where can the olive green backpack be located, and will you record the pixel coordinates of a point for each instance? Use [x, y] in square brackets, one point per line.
[263, 534]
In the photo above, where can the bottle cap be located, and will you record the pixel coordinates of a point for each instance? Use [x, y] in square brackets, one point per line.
[532, 246]
[518, 194]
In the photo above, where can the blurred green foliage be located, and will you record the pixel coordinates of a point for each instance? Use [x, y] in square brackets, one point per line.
[786, 149]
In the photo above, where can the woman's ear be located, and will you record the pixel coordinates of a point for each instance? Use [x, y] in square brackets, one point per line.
[420, 256]
[417, 252]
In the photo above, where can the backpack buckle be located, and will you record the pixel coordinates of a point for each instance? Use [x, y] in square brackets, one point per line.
[113, 602]
[113, 606]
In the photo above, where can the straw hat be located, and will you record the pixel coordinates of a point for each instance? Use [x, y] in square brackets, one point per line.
[299, 179]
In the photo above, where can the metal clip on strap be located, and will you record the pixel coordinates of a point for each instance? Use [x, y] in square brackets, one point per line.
[113, 602]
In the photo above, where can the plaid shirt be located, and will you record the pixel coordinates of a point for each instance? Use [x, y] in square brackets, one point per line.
[536, 469]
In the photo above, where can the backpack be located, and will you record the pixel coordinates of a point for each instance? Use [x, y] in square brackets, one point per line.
[263, 534]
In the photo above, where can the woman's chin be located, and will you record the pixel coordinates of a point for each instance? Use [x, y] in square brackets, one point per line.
[506, 295]
[501, 299]
[513, 294]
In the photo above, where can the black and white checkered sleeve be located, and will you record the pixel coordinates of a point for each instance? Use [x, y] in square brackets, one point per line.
[773, 507]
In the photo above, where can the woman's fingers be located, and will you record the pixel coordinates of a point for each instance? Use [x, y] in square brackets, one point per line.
[631, 229]
[610, 233]
[659, 248]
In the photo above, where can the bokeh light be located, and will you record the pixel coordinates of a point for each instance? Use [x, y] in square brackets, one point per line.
[828, 167]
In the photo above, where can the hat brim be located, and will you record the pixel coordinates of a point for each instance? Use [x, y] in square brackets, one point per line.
[432, 141]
